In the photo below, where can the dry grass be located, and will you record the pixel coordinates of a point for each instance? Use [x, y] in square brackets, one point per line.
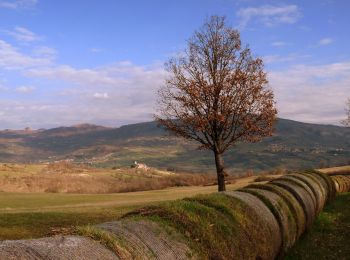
[264, 178]
[66, 167]
[65, 177]
[336, 170]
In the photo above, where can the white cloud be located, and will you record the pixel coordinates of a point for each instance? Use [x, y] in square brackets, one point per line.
[22, 34]
[278, 44]
[283, 58]
[86, 77]
[95, 50]
[117, 75]
[25, 89]
[306, 93]
[314, 94]
[18, 4]
[101, 95]
[3, 87]
[269, 15]
[3, 82]
[12, 58]
[44, 51]
[276, 58]
[21, 89]
[325, 41]
[52, 114]
[128, 92]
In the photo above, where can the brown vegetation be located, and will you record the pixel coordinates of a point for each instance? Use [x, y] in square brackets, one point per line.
[67, 177]
[217, 93]
[65, 167]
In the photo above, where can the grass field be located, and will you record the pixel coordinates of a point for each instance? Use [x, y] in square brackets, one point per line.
[329, 236]
[35, 215]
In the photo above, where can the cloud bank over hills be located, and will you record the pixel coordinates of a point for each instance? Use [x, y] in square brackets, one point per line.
[44, 84]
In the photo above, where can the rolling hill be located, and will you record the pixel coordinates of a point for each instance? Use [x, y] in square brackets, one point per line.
[294, 145]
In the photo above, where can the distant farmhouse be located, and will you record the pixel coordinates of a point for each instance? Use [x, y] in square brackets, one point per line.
[141, 166]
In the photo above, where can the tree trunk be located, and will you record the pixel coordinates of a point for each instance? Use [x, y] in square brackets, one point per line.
[219, 162]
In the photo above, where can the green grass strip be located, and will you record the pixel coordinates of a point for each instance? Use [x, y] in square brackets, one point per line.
[107, 239]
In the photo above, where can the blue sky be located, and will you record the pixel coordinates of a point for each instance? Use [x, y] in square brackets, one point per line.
[70, 62]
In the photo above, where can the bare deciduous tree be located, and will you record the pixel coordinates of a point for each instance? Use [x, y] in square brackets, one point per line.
[216, 93]
[346, 122]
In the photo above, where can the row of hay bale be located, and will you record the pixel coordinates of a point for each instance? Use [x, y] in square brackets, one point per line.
[260, 221]
[341, 182]
[58, 247]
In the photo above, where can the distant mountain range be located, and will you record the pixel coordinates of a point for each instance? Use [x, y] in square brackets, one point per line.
[294, 145]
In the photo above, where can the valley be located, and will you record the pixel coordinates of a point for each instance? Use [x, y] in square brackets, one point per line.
[294, 145]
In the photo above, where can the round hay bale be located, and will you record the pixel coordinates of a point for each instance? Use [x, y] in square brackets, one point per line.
[58, 247]
[347, 177]
[293, 204]
[282, 213]
[147, 240]
[340, 183]
[302, 196]
[331, 188]
[346, 181]
[345, 184]
[336, 184]
[320, 181]
[211, 231]
[316, 189]
[304, 186]
[323, 184]
[249, 241]
[17, 250]
[340, 178]
[268, 226]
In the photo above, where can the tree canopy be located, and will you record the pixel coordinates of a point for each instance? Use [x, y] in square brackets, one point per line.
[346, 121]
[217, 93]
